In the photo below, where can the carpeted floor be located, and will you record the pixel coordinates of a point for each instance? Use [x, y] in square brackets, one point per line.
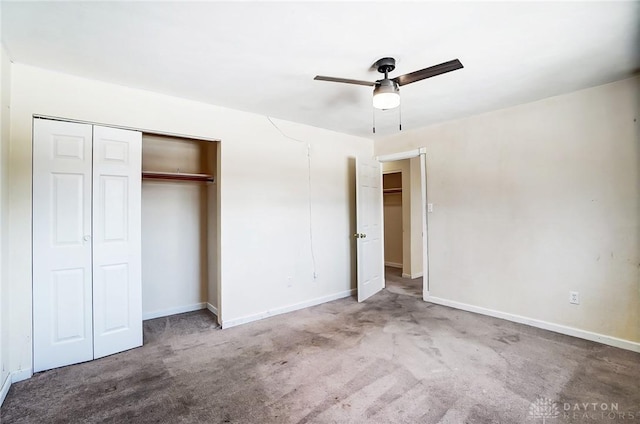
[392, 359]
[396, 284]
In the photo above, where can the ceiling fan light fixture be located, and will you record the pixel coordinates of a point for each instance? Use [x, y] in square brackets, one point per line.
[386, 95]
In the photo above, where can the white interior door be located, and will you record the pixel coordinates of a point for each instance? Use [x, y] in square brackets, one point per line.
[117, 282]
[62, 304]
[369, 228]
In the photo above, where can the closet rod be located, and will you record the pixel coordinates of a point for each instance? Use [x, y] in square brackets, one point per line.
[146, 175]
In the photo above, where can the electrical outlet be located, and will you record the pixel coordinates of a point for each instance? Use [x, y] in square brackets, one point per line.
[429, 207]
[574, 297]
[289, 281]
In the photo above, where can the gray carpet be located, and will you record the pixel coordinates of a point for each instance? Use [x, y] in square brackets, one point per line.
[392, 359]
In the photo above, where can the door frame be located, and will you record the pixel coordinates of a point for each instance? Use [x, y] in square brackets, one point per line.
[421, 153]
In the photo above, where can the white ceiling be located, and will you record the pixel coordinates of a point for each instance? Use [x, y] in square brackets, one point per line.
[261, 56]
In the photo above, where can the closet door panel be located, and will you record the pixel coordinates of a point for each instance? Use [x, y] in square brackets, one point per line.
[62, 297]
[117, 283]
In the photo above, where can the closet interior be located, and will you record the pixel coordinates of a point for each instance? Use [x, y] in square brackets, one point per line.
[393, 219]
[179, 225]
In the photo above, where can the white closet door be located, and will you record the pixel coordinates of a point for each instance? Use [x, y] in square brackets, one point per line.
[117, 283]
[62, 306]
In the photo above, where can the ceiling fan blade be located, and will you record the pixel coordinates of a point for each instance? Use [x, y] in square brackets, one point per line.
[345, 80]
[432, 71]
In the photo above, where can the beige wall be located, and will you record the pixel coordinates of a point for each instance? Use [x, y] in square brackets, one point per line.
[266, 212]
[537, 200]
[5, 99]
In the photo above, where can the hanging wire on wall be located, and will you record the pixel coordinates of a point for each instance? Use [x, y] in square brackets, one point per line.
[313, 256]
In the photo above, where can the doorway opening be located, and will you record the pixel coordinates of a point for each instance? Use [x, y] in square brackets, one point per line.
[405, 222]
[395, 203]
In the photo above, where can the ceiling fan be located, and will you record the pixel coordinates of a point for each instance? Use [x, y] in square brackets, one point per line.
[386, 93]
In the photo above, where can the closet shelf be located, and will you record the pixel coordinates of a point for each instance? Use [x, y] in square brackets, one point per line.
[179, 176]
[392, 190]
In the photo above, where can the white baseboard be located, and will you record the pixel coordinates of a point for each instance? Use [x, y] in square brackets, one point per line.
[285, 309]
[14, 377]
[557, 328]
[21, 375]
[212, 309]
[173, 311]
[416, 275]
[5, 388]
[393, 264]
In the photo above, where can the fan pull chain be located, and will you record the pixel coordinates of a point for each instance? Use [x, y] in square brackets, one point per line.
[400, 116]
[373, 114]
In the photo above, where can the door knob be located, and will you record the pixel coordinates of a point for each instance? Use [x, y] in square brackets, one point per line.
[360, 235]
[86, 238]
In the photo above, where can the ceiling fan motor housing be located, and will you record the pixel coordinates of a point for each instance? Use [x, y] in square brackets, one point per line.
[386, 86]
[385, 65]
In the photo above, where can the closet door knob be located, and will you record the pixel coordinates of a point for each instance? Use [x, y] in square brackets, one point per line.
[86, 238]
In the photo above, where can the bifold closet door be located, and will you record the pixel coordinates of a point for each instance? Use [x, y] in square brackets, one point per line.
[117, 280]
[62, 286]
[87, 286]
